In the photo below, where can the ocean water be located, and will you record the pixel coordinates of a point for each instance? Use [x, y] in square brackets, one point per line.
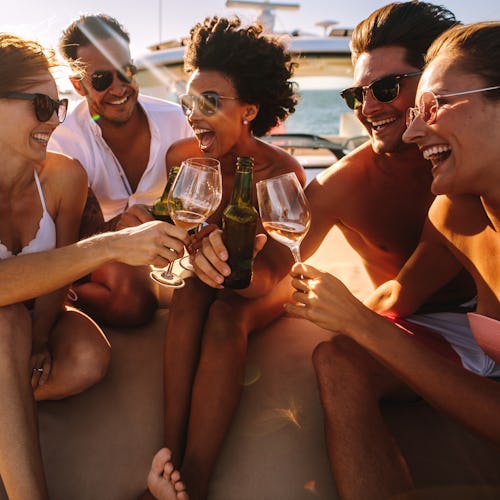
[318, 112]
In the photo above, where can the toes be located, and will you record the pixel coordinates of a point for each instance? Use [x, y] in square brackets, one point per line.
[160, 461]
[168, 469]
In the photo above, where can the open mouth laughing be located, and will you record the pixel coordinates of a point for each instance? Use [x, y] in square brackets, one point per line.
[206, 137]
[436, 154]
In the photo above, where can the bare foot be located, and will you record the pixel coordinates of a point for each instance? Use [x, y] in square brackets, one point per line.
[163, 481]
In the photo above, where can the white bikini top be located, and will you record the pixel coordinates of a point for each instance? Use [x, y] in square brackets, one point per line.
[45, 237]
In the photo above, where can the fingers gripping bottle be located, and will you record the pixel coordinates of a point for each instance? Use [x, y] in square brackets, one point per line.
[239, 225]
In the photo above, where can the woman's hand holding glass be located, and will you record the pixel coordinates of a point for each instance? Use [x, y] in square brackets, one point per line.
[194, 197]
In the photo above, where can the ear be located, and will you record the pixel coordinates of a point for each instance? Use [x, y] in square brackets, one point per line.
[250, 112]
[77, 85]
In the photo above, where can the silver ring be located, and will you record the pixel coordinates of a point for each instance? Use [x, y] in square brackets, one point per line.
[37, 370]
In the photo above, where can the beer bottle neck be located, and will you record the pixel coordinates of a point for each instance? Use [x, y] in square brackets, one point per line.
[170, 180]
[242, 190]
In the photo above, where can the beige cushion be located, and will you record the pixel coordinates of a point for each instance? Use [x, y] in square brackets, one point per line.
[99, 445]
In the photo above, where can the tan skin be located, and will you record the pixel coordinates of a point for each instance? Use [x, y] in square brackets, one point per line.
[205, 352]
[61, 338]
[116, 294]
[65, 344]
[379, 195]
[462, 229]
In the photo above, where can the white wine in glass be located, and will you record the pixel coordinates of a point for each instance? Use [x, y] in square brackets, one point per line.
[284, 210]
[195, 195]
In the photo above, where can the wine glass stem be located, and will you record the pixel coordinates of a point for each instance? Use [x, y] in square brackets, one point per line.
[168, 270]
[296, 253]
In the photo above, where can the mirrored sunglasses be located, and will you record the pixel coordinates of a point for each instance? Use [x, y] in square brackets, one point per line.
[384, 89]
[102, 80]
[44, 105]
[206, 103]
[429, 105]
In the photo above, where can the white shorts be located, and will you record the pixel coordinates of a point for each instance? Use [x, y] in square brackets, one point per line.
[454, 327]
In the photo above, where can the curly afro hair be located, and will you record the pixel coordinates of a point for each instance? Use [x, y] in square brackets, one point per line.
[259, 66]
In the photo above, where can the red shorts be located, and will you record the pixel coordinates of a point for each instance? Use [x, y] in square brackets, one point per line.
[428, 337]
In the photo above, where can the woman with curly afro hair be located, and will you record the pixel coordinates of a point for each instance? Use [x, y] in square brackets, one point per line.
[239, 89]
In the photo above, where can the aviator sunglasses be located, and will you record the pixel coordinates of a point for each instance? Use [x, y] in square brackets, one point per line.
[102, 79]
[207, 103]
[384, 89]
[44, 105]
[429, 105]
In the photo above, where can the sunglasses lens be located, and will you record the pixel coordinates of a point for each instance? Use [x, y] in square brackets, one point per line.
[127, 73]
[428, 107]
[101, 80]
[386, 89]
[186, 102]
[62, 110]
[352, 97]
[208, 103]
[44, 107]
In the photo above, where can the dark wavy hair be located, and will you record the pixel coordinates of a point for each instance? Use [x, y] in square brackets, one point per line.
[259, 66]
[85, 30]
[21, 62]
[413, 25]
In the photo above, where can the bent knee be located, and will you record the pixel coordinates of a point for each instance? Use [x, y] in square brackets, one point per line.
[89, 363]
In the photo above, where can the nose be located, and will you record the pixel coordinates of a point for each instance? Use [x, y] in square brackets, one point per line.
[370, 103]
[415, 130]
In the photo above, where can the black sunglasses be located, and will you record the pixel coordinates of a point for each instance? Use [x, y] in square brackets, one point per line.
[44, 105]
[384, 89]
[101, 80]
[207, 103]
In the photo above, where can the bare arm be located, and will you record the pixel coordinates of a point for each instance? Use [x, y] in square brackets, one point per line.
[431, 266]
[31, 275]
[473, 400]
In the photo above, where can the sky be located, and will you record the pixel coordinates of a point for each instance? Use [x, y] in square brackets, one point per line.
[149, 21]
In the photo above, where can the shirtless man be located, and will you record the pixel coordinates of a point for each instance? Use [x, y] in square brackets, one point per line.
[121, 138]
[457, 100]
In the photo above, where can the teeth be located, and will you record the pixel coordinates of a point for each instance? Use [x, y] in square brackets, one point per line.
[435, 150]
[121, 101]
[383, 122]
[200, 130]
[41, 137]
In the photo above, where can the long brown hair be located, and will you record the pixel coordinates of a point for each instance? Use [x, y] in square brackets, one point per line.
[21, 62]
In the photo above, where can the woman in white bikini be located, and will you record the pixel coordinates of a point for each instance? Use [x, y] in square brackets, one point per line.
[47, 350]
[456, 125]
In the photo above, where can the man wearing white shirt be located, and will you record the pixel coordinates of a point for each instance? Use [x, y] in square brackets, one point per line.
[121, 139]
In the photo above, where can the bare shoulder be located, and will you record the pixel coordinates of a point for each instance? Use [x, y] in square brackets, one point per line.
[274, 161]
[63, 171]
[182, 149]
[463, 214]
[344, 177]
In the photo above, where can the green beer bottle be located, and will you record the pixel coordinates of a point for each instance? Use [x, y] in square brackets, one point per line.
[239, 225]
[159, 210]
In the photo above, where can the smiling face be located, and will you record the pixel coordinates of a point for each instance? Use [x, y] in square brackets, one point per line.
[464, 140]
[385, 121]
[21, 134]
[222, 132]
[116, 103]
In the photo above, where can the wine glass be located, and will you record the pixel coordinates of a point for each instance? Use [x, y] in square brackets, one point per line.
[195, 195]
[284, 210]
